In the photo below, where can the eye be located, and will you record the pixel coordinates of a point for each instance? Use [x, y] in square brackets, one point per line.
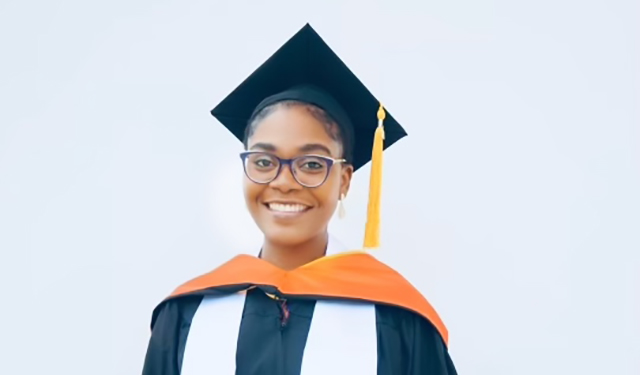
[262, 161]
[312, 164]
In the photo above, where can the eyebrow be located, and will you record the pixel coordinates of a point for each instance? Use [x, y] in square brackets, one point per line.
[310, 147]
[264, 146]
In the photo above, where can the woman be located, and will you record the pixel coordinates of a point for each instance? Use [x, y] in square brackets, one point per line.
[303, 305]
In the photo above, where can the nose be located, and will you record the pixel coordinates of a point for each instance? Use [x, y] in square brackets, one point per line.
[285, 180]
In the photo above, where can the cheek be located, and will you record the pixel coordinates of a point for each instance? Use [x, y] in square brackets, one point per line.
[327, 195]
[251, 191]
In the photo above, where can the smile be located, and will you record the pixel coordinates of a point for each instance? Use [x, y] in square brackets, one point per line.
[287, 207]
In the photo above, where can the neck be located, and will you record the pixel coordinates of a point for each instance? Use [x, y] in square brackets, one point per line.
[289, 257]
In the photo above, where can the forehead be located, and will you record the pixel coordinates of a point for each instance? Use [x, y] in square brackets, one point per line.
[289, 128]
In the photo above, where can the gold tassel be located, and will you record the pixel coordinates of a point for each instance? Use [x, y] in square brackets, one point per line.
[372, 229]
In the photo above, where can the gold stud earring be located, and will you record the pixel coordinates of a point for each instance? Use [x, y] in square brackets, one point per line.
[341, 211]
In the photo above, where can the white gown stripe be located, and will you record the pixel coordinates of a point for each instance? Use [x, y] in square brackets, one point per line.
[342, 340]
[214, 327]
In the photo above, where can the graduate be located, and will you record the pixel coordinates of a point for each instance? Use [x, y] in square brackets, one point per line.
[302, 304]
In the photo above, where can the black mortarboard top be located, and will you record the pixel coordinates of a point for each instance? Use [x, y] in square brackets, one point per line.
[306, 69]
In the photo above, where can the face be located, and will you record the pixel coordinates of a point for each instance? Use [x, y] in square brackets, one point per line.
[285, 211]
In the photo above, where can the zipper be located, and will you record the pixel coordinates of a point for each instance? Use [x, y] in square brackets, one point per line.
[284, 309]
[285, 313]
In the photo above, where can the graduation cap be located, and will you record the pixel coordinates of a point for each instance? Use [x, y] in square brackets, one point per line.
[307, 70]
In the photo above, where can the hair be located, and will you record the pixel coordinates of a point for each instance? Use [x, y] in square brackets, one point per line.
[333, 129]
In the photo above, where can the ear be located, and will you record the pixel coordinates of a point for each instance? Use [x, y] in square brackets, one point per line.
[345, 179]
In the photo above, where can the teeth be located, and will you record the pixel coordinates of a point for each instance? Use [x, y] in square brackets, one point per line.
[286, 207]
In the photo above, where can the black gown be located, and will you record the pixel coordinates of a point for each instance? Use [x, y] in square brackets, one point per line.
[273, 334]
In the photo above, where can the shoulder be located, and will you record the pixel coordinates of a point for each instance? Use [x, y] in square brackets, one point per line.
[403, 320]
[175, 310]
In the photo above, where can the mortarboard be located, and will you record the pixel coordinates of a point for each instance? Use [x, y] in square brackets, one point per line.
[305, 68]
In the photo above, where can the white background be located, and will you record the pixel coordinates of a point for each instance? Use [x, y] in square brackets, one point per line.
[513, 204]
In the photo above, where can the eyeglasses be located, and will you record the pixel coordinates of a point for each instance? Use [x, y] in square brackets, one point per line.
[308, 170]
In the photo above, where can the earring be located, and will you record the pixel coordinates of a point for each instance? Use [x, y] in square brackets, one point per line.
[341, 211]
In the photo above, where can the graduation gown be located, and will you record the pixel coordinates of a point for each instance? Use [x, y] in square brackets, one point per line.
[276, 312]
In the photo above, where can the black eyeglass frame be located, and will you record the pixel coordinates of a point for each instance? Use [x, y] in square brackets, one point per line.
[281, 162]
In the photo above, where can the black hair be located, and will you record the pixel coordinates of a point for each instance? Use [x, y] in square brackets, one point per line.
[332, 127]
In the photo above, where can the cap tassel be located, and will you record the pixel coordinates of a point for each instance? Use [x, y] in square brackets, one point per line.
[372, 229]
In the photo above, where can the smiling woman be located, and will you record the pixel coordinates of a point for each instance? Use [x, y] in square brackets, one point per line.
[303, 305]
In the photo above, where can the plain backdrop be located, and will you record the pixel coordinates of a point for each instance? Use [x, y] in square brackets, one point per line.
[513, 205]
